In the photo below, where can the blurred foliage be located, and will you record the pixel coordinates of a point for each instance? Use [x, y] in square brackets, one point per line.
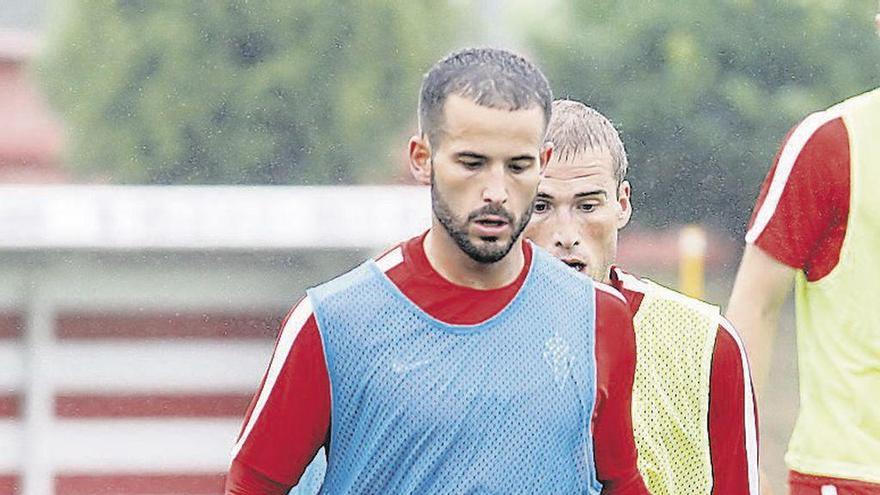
[237, 91]
[232, 91]
[703, 92]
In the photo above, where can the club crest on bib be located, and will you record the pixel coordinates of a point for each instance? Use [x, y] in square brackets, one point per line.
[558, 356]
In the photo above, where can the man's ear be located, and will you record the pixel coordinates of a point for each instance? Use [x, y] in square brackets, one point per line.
[420, 159]
[624, 193]
[546, 153]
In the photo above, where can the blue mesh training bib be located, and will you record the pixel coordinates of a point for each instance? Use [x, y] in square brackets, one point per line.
[310, 481]
[423, 407]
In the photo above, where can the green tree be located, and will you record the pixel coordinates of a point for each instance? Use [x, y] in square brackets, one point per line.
[236, 91]
[703, 92]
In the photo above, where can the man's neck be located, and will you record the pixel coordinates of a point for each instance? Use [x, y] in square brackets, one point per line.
[456, 266]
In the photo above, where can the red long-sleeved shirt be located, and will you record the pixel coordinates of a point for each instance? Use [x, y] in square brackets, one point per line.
[289, 419]
[801, 215]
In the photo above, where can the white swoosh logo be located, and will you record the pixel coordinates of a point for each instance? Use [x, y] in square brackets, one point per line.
[400, 366]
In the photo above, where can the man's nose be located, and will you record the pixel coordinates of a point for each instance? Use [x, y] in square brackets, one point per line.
[567, 238]
[495, 190]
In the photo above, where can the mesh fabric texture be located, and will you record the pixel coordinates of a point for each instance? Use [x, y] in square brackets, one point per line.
[675, 338]
[420, 406]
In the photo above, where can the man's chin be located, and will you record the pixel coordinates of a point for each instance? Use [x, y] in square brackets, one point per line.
[488, 249]
[603, 276]
[489, 241]
[493, 244]
[500, 236]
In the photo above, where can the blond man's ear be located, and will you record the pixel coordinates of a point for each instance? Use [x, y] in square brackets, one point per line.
[624, 195]
[546, 155]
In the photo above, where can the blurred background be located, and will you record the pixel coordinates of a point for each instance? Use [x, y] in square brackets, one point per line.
[175, 174]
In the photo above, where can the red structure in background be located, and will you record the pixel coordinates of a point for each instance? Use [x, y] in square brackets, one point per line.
[30, 135]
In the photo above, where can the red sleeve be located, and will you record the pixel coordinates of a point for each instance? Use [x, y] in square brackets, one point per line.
[801, 213]
[733, 420]
[244, 480]
[613, 441]
[288, 420]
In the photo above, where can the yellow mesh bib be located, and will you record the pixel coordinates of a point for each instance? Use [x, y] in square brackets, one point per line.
[837, 432]
[675, 338]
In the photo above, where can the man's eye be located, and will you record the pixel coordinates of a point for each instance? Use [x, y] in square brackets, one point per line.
[471, 165]
[517, 168]
[541, 207]
[588, 207]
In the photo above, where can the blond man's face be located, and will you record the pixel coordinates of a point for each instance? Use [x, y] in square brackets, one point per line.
[578, 211]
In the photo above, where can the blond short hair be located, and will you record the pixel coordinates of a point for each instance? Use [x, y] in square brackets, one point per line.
[576, 128]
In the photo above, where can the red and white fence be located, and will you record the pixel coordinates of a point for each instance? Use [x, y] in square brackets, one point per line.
[136, 322]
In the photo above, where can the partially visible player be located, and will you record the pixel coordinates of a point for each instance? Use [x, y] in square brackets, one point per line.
[693, 407]
[463, 360]
[817, 226]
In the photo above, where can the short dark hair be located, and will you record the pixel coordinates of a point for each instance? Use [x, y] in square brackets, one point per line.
[576, 128]
[490, 77]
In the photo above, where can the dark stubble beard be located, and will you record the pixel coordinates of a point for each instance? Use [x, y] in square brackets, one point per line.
[489, 252]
